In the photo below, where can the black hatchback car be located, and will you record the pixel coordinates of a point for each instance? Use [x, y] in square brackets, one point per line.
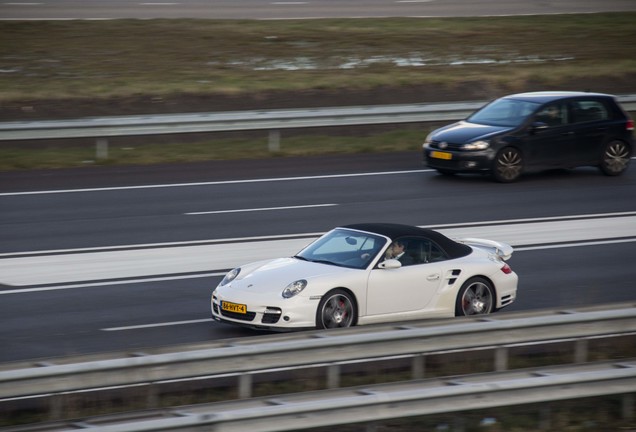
[533, 132]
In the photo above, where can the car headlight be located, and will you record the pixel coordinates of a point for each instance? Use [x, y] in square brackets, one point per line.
[230, 276]
[294, 288]
[476, 145]
[427, 141]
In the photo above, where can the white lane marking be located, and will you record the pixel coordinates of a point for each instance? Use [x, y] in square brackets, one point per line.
[22, 4]
[82, 268]
[110, 283]
[307, 235]
[218, 274]
[164, 324]
[260, 209]
[213, 183]
[590, 243]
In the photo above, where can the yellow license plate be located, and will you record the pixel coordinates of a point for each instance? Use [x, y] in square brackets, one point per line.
[233, 307]
[441, 155]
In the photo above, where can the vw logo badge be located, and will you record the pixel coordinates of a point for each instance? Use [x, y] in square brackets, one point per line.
[443, 145]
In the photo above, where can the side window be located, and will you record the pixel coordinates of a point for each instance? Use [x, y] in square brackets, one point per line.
[589, 111]
[422, 251]
[553, 115]
[436, 254]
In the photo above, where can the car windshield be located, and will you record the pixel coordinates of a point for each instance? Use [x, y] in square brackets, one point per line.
[344, 248]
[504, 112]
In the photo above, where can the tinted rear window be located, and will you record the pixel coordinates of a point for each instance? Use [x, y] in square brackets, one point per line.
[589, 110]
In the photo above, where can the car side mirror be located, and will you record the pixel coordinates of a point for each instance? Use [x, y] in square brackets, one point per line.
[390, 264]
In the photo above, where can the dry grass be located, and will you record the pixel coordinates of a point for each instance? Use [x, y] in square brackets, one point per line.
[125, 57]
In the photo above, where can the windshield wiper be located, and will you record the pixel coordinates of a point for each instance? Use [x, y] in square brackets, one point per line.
[328, 262]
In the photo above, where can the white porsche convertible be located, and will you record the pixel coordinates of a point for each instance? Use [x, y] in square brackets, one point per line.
[369, 273]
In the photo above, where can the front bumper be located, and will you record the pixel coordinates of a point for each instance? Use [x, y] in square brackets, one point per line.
[458, 161]
[267, 314]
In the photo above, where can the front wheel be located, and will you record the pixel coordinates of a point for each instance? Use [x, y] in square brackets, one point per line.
[336, 309]
[615, 158]
[508, 165]
[476, 297]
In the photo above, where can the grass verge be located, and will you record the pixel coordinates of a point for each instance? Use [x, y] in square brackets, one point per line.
[97, 59]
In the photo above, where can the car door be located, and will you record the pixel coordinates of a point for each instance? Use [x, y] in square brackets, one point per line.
[591, 125]
[551, 138]
[403, 289]
[410, 287]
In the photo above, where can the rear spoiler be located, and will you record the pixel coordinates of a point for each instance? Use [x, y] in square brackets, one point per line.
[502, 250]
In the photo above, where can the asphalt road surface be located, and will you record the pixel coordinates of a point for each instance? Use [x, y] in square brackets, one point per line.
[309, 9]
[119, 259]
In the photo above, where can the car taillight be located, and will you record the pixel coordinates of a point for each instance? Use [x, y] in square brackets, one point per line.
[506, 269]
[630, 124]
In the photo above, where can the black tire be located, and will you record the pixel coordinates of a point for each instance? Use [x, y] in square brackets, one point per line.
[508, 165]
[476, 297]
[615, 158]
[336, 309]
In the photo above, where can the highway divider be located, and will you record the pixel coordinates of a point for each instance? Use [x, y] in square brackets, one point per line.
[324, 349]
[246, 362]
[273, 121]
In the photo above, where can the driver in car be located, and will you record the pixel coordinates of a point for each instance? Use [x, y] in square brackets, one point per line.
[397, 250]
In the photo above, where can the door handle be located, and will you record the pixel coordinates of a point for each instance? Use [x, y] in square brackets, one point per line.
[432, 277]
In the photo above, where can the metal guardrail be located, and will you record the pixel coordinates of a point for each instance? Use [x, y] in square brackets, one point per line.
[104, 127]
[331, 348]
[385, 401]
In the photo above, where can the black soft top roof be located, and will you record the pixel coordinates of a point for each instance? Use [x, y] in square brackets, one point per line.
[394, 231]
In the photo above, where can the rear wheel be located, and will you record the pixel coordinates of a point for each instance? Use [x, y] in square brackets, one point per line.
[615, 158]
[508, 165]
[336, 309]
[476, 297]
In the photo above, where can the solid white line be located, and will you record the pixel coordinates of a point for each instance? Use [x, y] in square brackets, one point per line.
[214, 183]
[314, 234]
[218, 274]
[569, 245]
[119, 282]
[164, 324]
[260, 209]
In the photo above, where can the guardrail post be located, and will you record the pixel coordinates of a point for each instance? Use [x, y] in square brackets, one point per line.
[152, 396]
[545, 418]
[102, 148]
[501, 359]
[55, 407]
[580, 351]
[628, 407]
[273, 143]
[418, 366]
[333, 376]
[245, 386]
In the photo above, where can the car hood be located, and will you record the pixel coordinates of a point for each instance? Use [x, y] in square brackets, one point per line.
[275, 275]
[464, 132]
